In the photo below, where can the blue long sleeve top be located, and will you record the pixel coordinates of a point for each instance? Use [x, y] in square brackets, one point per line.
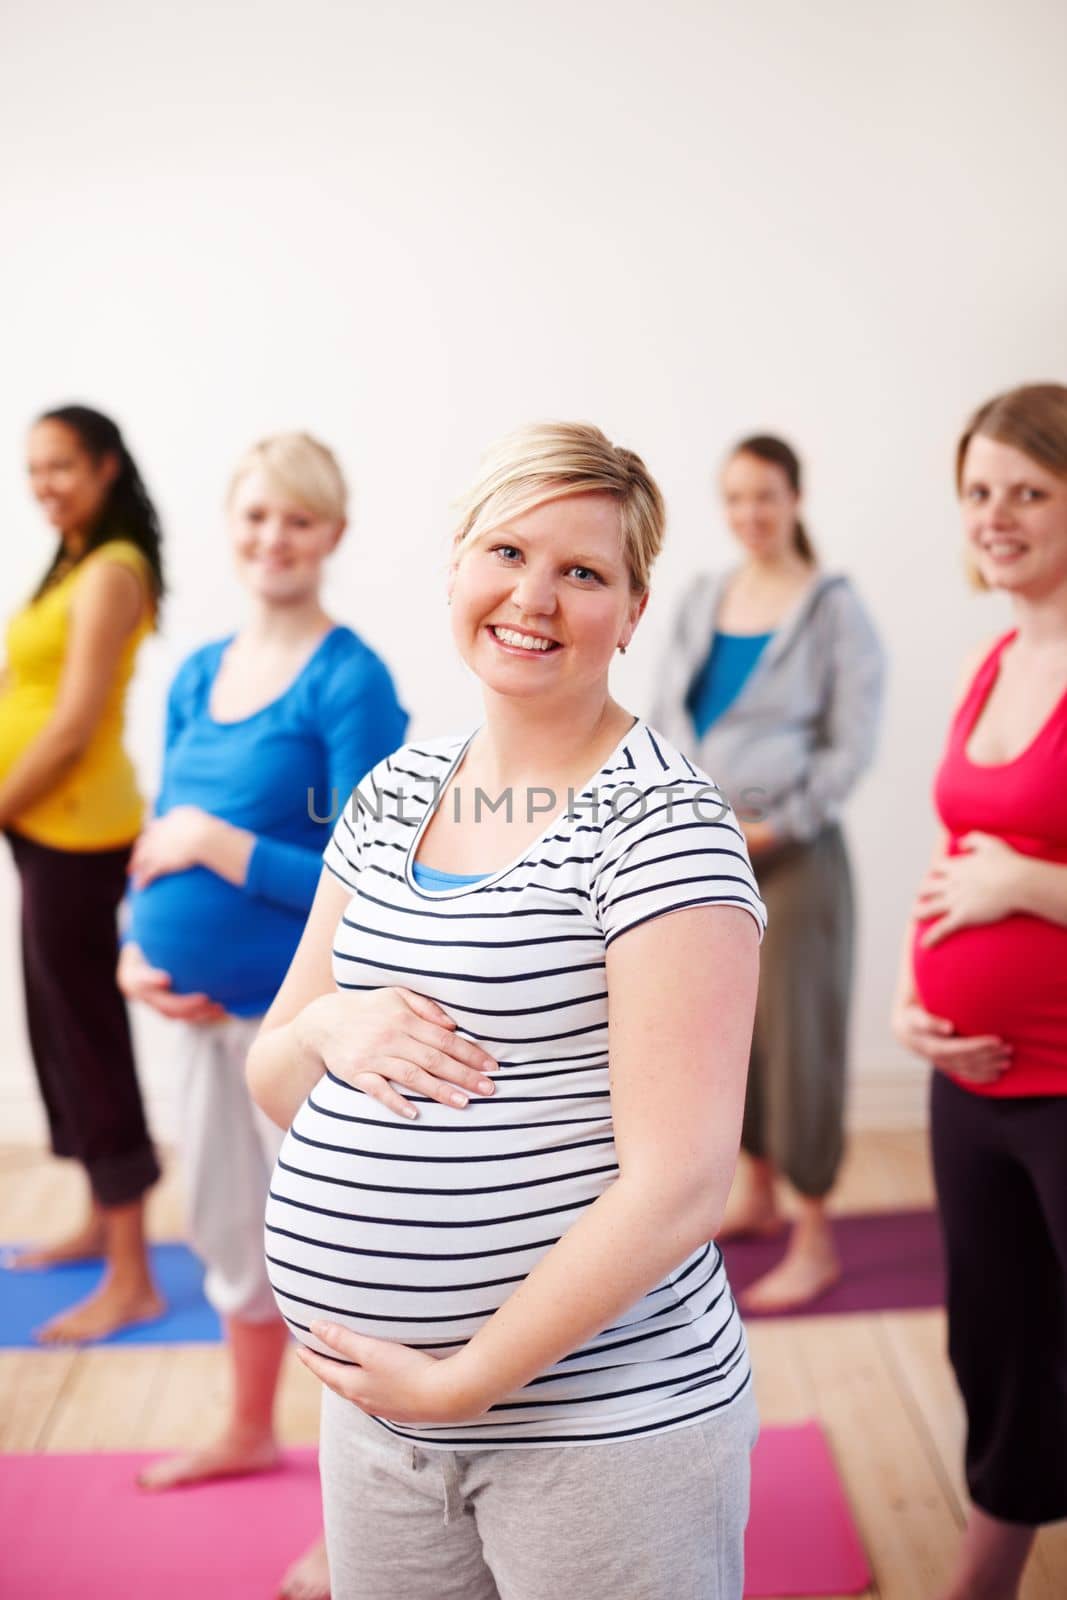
[283, 774]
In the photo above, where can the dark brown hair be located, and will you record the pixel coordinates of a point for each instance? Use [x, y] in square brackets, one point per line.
[766, 447]
[127, 512]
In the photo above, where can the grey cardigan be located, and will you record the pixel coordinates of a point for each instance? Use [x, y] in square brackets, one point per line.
[803, 727]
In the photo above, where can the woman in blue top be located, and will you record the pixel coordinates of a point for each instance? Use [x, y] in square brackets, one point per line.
[267, 732]
[772, 680]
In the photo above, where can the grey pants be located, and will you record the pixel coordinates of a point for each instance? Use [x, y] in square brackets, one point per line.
[660, 1518]
[795, 1105]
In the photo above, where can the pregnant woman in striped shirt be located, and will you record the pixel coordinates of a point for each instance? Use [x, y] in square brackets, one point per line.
[535, 1370]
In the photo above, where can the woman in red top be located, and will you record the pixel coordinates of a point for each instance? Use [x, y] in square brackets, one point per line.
[983, 995]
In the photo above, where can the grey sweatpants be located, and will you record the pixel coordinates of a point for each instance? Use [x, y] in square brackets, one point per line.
[659, 1518]
[795, 1104]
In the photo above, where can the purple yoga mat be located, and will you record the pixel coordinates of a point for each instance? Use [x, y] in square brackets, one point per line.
[892, 1262]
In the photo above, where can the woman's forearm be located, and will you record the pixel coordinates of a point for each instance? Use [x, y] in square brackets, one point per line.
[283, 1066]
[226, 850]
[1042, 889]
[626, 1243]
[904, 991]
[39, 768]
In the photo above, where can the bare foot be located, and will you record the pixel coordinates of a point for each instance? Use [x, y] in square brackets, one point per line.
[229, 1457]
[308, 1578]
[808, 1269]
[752, 1205]
[751, 1214]
[85, 1244]
[110, 1307]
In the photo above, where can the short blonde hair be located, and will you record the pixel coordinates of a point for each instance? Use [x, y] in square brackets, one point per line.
[302, 468]
[1033, 419]
[550, 460]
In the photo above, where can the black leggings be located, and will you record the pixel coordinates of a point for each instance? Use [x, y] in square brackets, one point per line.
[76, 1016]
[1001, 1172]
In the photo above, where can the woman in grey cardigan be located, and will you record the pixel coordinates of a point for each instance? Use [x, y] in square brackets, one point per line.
[772, 683]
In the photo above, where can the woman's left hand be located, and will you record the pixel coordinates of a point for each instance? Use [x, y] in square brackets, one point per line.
[171, 843]
[392, 1380]
[965, 890]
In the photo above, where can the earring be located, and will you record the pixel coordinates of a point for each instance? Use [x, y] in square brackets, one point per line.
[622, 649]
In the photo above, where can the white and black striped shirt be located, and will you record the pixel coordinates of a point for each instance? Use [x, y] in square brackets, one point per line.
[418, 1231]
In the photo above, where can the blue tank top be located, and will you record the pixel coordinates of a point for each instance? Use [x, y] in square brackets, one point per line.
[430, 878]
[724, 674]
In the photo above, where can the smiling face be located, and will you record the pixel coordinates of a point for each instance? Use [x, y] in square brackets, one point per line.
[761, 506]
[1014, 518]
[68, 484]
[280, 545]
[541, 602]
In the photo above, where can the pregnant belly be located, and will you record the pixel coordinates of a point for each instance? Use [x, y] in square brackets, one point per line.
[417, 1232]
[1007, 978]
[212, 939]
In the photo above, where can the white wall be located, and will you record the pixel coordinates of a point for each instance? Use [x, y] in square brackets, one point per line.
[409, 226]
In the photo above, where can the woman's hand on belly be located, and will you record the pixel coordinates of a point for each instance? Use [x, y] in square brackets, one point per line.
[393, 1036]
[152, 986]
[171, 843]
[978, 886]
[392, 1380]
[978, 1059]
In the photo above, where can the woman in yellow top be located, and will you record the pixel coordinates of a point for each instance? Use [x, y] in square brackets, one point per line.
[71, 811]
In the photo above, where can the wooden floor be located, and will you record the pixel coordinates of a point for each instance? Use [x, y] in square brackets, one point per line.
[880, 1385]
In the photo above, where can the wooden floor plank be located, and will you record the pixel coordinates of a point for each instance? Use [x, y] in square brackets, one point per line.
[31, 1387]
[106, 1402]
[784, 1390]
[1046, 1574]
[190, 1398]
[914, 1343]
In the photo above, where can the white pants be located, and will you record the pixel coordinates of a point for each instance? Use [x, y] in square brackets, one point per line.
[228, 1149]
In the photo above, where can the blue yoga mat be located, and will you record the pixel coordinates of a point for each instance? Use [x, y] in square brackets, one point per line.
[28, 1299]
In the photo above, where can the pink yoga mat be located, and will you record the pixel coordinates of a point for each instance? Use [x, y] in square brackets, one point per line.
[801, 1538]
[75, 1527]
[78, 1528]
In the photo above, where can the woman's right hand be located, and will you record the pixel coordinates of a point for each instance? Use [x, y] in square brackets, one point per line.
[374, 1040]
[151, 985]
[978, 1058]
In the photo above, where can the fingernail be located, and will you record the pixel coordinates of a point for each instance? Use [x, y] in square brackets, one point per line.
[320, 1330]
[458, 1099]
[484, 1086]
[410, 1113]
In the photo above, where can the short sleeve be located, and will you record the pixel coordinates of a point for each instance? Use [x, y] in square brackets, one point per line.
[669, 848]
[124, 553]
[344, 852]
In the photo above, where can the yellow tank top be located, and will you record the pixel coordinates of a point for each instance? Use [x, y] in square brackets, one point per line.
[96, 804]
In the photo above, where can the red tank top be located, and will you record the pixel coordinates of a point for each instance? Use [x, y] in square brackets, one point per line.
[1009, 977]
